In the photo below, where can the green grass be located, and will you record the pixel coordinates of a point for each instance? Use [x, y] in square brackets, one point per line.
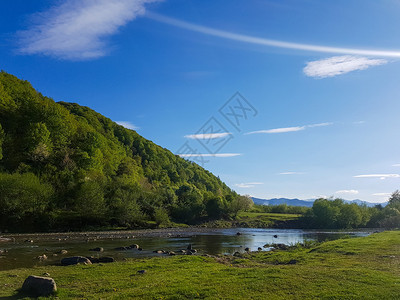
[267, 216]
[265, 220]
[357, 268]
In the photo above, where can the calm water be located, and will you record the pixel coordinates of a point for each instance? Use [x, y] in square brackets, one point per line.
[219, 241]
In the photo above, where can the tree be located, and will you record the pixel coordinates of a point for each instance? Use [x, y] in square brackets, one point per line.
[349, 216]
[89, 202]
[23, 200]
[39, 142]
[394, 200]
[240, 203]
[189, 205]
[325, 213]
[161, 216]
[1, 141]
[215, 207]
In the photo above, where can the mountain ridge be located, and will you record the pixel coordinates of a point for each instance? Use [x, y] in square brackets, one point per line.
[63, 165]
[306, 203]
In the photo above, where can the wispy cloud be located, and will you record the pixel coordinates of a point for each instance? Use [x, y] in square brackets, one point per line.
[248, 184]
[77, 29]
[207, 136]
[268, 42]
[291, 173]
[127, 125]
[289, 129]
[396, 165]
[382, 194]
[347, 192]
[380, 176]
[210, 155]
[339, 65]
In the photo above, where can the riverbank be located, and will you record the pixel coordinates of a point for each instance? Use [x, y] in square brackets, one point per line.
[243, 220]
[358, 268]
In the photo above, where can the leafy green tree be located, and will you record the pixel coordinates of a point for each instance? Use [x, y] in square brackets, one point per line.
[90, 203]
[394, 200]
[349, 216]
[215, 208]
[161, 216]
[325, 213]
[23, 200]
[189, 204]
[39, 142]
[1, 141]
[240, 203]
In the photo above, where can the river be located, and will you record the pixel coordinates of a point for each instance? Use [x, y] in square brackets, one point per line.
[23, 250]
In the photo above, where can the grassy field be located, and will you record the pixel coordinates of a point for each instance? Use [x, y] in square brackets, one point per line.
[258, 220]
[357, 268]
[267, 216]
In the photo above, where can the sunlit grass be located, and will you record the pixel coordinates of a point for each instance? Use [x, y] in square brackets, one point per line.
[359, 268]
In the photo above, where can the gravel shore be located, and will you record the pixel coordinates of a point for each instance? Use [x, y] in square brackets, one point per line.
[101, 235]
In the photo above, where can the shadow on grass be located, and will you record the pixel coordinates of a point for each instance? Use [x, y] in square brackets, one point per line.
[23, 295]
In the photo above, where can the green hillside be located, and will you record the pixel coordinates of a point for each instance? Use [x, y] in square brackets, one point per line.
[65, 167]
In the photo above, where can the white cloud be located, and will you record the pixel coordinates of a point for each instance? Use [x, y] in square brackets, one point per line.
[248, 184]
[289, 129]
[348, 192]
[279, 130]
[396, 165]
[210, 155]
[127, 125]
[291, 173]
[77, 29]
[207, 136]
[319, 124]
[382, 194]
[380, 176]
[268, 42]
[339, 65]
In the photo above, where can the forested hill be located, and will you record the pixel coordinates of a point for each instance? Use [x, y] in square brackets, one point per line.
[64, 166]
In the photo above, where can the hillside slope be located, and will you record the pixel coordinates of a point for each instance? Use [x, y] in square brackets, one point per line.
[64, 166]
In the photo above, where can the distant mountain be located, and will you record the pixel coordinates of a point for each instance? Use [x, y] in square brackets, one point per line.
[307, 203]
[278, 201]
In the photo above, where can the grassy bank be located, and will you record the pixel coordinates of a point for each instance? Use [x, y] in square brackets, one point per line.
[258, 220]
[359, 268]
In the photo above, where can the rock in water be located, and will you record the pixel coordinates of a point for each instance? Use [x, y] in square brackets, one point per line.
[39, 286]
[98, 249]
[106, 259]
[74, 260]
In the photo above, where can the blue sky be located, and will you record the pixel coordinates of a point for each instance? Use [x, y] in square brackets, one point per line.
[320, 79]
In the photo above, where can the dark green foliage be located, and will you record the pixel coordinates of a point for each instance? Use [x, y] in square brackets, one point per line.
[390, 215]
[1, 141]
[23, 201]
[338, 214]
[101, 172]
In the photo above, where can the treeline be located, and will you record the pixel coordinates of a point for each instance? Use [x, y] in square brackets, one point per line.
[281, 209]
[336, 214]
[65, 167]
